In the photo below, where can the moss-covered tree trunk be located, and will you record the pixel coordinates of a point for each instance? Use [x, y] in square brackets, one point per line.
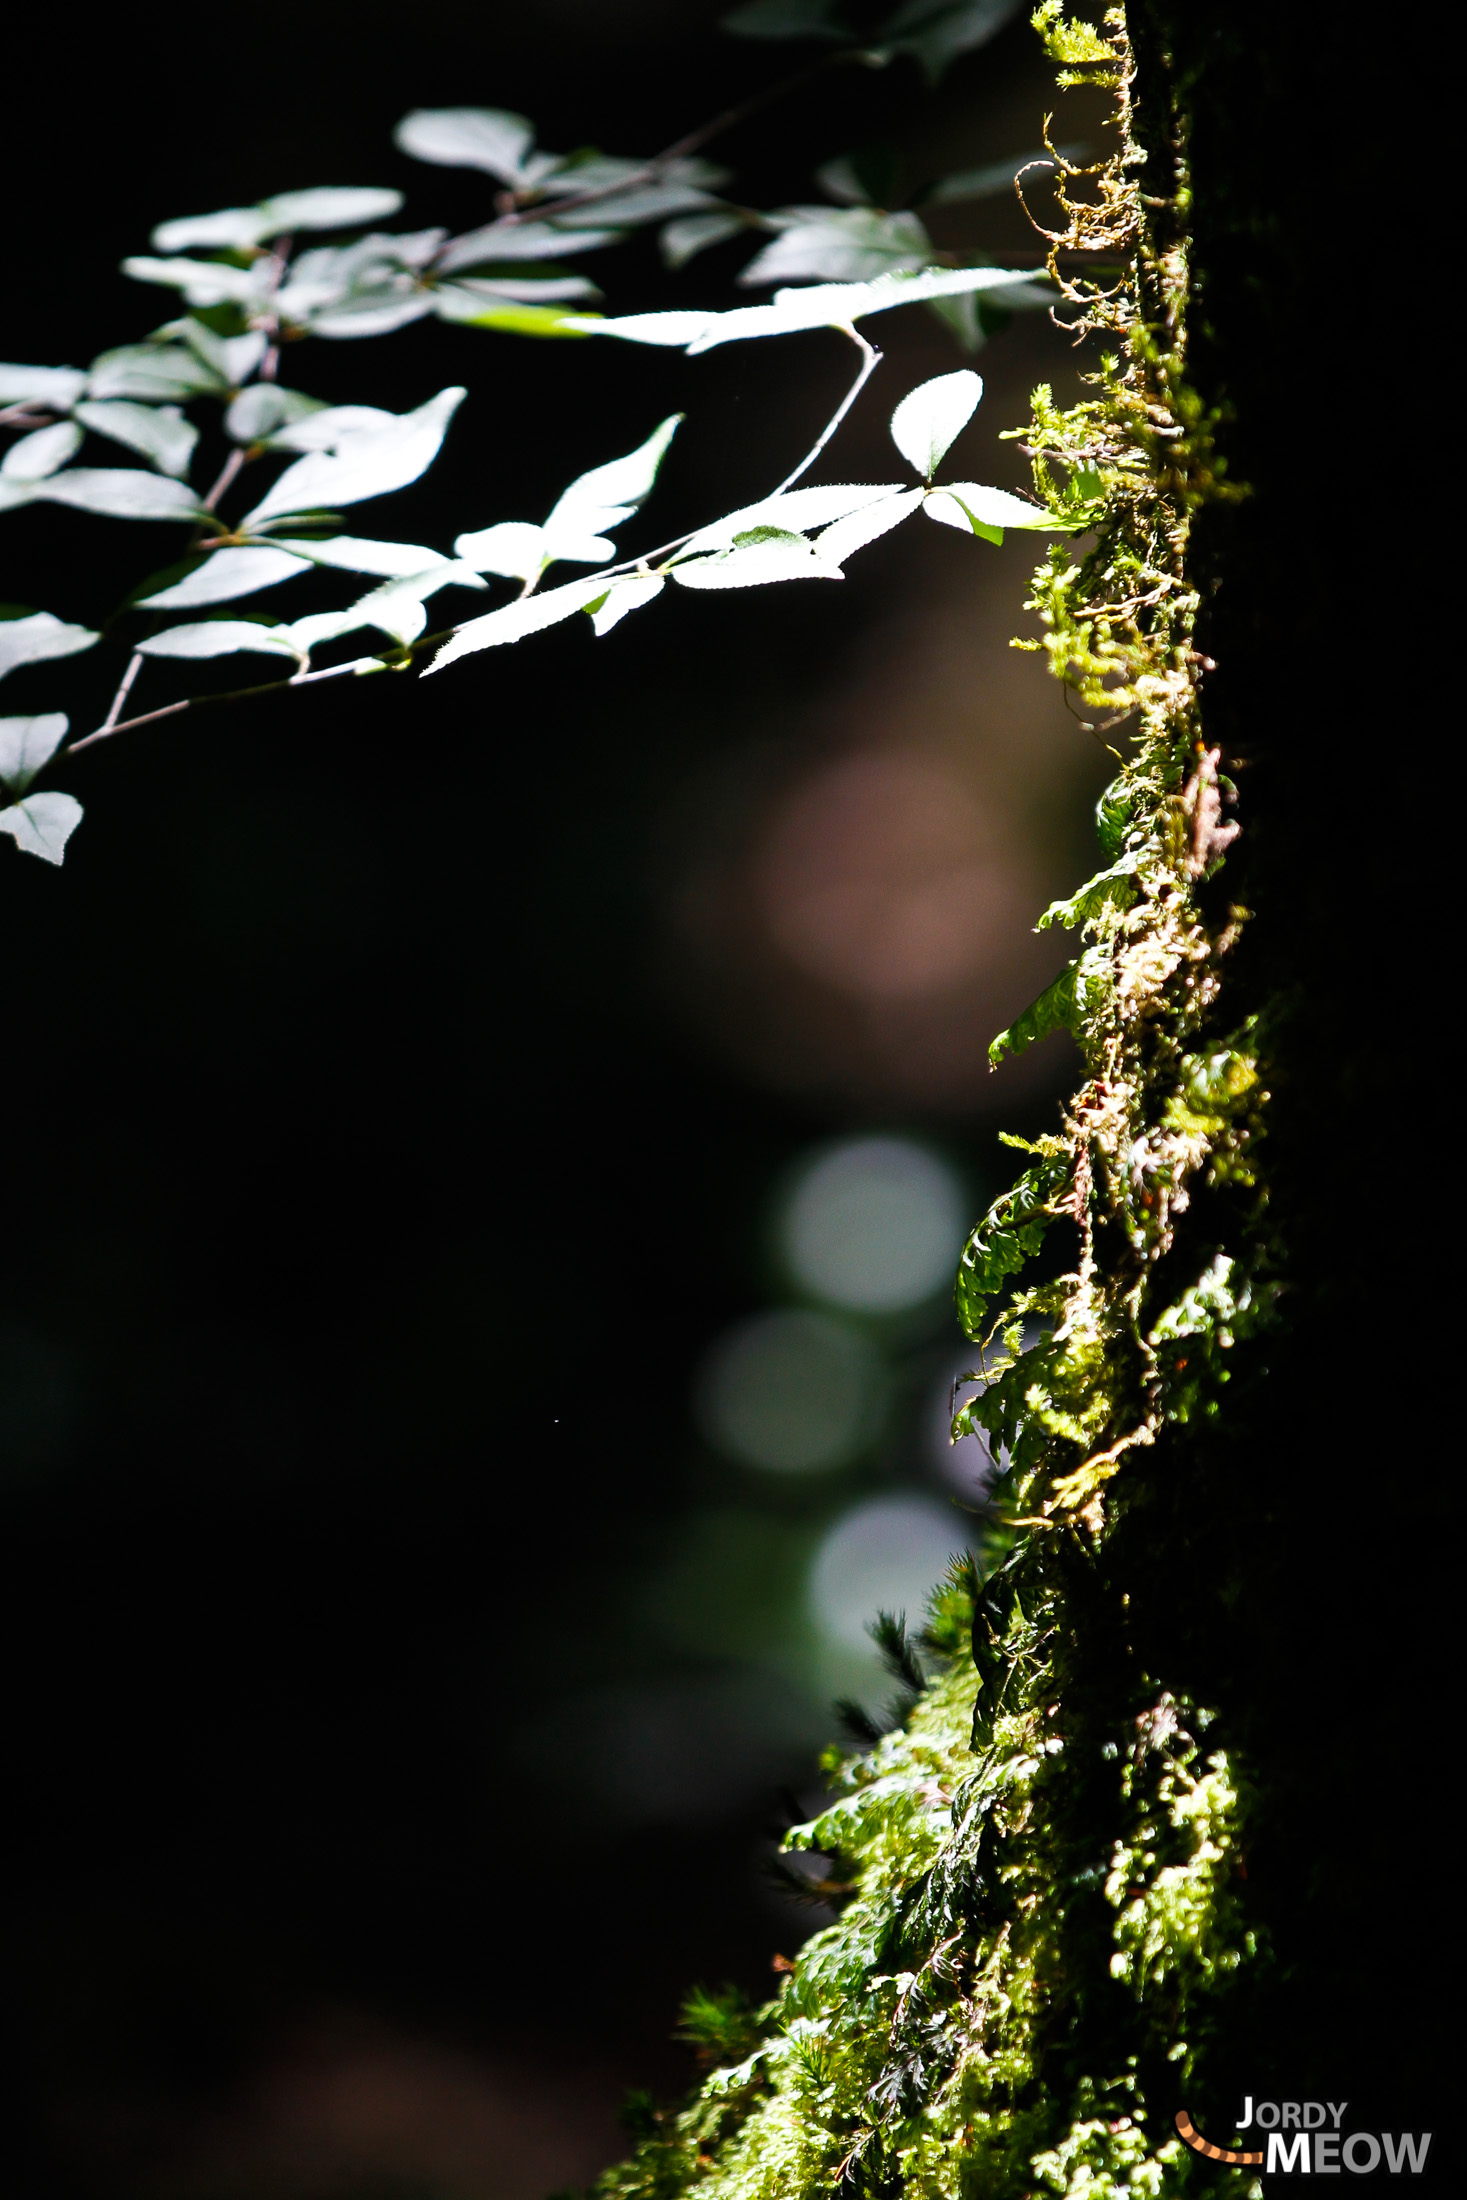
[1161, 1832]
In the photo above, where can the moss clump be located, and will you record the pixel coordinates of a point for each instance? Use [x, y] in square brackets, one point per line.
[1045, 1934]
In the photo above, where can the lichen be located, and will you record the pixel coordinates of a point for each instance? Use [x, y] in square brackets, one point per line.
[1042, 1871]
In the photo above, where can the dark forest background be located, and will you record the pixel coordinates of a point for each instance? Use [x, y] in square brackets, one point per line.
[402, 1082]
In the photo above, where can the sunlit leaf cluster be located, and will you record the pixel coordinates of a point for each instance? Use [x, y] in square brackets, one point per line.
[256, 473]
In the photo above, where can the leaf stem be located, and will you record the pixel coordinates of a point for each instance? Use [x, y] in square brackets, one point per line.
[113, 725]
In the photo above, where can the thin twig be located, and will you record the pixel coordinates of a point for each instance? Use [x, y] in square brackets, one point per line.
[231, 467]
[870, 360]
[124, 689]
[240, 695]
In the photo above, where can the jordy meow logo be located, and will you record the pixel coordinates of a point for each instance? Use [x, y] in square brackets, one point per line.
[1308, 2138]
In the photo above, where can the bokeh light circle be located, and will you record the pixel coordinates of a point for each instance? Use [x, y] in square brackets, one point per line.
[875, 1225]
[790, 1391]
[887, 1554]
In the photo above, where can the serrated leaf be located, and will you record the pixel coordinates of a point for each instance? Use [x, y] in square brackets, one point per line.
[225, 575]
[28, 743]
[987, 512]
[39, 636]
[159, 432]
[606, 496]
[822, 305]
[929, 420]
[513, 621]
[489, 138]
[758, 557]
[220, 638]
[682, 241]
[121, 492]
[328, 207]
[795, 509]
[396, 609]
[367, 463]
[841, 540]
[43, 823]
[624, 596]
[36, 456]
[58, 387]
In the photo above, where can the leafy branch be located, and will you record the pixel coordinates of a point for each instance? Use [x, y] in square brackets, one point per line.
[251, 290]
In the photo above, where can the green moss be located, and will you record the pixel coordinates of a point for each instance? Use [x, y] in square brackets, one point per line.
[1046, 1929]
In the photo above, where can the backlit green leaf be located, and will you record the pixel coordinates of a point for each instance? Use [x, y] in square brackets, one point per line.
[515, 620]
[1117, 887]
[1057, 1009]
[839, 541]
[762, 555]
[457, 304]
[795, 510]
